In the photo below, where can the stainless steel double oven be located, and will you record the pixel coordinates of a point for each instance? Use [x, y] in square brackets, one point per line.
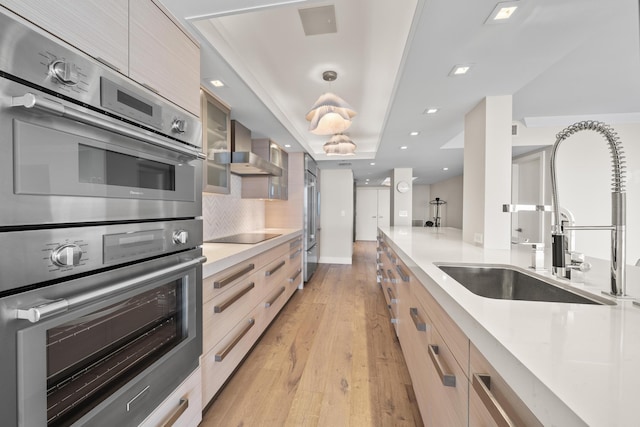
[100, 238]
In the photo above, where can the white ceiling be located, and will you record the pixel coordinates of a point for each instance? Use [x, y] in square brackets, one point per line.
[578, 58]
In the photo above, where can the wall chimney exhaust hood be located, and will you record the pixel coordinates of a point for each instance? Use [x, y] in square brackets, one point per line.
[242, 160]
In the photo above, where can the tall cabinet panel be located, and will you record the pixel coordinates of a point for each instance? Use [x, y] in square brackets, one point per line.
[162, 57]
[216, 138]
[97, 27]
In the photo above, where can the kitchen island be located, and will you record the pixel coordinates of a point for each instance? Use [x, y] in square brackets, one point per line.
[571, 364]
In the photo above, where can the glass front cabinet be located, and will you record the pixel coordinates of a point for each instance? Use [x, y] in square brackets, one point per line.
[216, 139]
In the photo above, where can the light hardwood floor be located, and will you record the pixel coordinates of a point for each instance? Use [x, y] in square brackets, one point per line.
[330, 358]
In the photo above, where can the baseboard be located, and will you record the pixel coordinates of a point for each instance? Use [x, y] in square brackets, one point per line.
[334, 260]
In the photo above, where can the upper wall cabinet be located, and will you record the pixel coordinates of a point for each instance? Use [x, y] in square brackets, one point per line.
[97, 27]
[162, 57]
[216, 138]
[137, 38]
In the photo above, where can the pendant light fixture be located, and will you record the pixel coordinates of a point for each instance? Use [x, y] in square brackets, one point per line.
[339, 145]
[330, 114]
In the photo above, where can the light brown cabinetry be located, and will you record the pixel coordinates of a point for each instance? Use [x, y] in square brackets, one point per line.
[491, 401]
[453, 382]
[216, 139]
[183, 408]
[97, 27]
[138, 38]
[162, 57]
[239, 303]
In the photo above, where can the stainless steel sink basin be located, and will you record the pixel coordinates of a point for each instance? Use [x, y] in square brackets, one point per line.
[512, 283]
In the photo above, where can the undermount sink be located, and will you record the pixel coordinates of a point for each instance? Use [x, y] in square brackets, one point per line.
[512, 283]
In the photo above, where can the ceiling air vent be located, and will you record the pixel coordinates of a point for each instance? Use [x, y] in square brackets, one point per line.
[514, 129]
[318, 20]
[344, 164]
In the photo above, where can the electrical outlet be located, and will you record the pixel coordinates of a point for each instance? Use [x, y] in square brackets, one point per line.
[478, 237]
[403, 213]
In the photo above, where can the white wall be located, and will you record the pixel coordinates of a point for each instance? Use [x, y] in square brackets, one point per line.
[420, 203]
[336, 216]
[401, 203]
[487, 172]
[450, 191]
[584, 183]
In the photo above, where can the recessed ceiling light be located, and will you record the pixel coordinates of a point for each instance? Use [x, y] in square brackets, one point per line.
[217, 83]
[372, 163]
[404, 147]
[459, 70]
[287, 145]
[414, 133]
[367, 179]
[445, 169]
[502, 12]
[431, 111]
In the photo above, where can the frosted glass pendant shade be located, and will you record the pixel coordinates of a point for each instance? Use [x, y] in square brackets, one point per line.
[331, 100]
[330, 115]
[328, 121]
[339, 145]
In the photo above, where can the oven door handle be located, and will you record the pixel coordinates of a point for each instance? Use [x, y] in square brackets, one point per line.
[52, 307]
[29, 100]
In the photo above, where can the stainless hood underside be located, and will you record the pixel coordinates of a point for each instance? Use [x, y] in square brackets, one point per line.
[247, 163]
[242, 159]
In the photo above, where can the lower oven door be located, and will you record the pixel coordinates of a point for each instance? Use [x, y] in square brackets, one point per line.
[108, 355]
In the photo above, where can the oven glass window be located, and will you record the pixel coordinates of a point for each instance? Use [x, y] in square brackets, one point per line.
[90, 357]
[99, 166]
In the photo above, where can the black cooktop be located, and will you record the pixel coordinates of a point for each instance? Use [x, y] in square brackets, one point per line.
[245, 238]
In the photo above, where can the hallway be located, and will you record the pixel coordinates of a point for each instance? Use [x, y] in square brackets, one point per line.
[330, 358]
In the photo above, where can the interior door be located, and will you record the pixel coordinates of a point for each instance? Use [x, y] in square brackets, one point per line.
[384, 207]
[366, 214]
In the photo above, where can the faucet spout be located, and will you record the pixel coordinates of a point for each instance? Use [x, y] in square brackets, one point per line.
[618, 207]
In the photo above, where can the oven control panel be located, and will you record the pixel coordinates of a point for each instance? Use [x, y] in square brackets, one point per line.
[56, 253]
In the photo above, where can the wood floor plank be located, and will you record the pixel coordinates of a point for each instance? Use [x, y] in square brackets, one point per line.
[330, 358]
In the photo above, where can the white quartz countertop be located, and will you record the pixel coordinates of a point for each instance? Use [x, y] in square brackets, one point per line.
[224, 255]
[572, 364]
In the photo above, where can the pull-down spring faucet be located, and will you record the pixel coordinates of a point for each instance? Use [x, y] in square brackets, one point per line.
[618, 208]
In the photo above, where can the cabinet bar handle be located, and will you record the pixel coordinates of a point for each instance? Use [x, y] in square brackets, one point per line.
[233, 276]
[107, 63]
[276, 268]
[295, 243]
[392, 315]
[151, 88]
[182, 407]
[392, 277]
[392, 297]
[403, 276]
[448, 380]
[482, 384]
[220, 356]
[292, 278]
[222, 307]
[275, 297]
[417, 320]
[295, 254]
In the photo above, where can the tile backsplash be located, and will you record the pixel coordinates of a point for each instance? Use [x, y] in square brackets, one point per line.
[227, 214]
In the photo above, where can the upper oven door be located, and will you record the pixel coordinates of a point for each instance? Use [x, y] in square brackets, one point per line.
[64, 163]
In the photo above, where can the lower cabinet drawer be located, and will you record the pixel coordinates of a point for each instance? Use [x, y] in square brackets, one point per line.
[225, 310]
[182, 408]
[448, 386]
[491, 400]
[220, 362]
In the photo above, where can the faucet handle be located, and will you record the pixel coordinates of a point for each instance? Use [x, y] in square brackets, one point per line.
[577, 262]
[526, 208]
[537, 255]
